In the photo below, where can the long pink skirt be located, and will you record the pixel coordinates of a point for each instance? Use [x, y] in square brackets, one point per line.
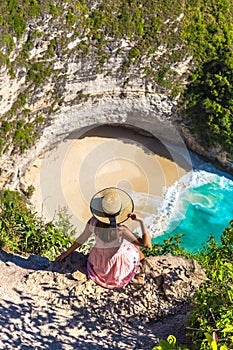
[113, 270]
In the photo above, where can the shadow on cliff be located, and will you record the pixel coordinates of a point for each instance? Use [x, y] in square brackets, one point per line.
[76, 262]
[29, 325]
[33, 262]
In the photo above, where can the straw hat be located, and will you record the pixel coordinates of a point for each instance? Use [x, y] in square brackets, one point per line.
[109, 202]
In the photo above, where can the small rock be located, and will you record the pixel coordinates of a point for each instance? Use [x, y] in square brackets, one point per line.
[79, 276]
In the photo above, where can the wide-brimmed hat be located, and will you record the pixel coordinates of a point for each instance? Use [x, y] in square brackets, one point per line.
[111, 201]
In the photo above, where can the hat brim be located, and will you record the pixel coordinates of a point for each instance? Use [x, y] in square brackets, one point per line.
[127, 206]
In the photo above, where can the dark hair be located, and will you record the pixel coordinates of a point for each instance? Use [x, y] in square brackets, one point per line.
[105, 232]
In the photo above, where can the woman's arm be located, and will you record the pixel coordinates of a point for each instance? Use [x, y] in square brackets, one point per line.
[145, 241]
[78, 242]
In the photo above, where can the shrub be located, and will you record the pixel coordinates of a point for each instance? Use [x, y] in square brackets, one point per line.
[22, 232]
[213, 302]
[38, 72]
[170, 245]
[209, 105]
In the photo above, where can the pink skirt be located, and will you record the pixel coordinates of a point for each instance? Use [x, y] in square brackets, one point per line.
[113, 270]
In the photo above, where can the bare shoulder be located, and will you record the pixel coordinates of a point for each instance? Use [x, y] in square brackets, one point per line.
[128, 234]
[124, 228]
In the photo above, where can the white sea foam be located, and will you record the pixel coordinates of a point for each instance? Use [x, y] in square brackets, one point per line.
[175, 199]
[170, 209]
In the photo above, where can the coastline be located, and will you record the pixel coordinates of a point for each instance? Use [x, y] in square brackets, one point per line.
[68, 175]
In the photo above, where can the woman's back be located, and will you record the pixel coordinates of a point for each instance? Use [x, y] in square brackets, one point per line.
[114, 259]
[112, 262]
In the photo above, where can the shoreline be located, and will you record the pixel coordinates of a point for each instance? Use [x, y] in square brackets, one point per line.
[69, 174]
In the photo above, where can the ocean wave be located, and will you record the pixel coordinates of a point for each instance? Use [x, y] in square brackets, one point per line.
[178, 197]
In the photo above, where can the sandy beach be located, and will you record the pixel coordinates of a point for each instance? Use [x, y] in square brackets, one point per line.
[66, 177]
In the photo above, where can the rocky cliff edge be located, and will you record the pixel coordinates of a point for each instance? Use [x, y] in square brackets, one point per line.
[48, 305]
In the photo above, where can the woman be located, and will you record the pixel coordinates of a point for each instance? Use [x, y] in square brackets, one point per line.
[115, 257]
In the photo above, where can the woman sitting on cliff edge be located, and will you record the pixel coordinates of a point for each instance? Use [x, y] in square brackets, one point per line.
[115, 257]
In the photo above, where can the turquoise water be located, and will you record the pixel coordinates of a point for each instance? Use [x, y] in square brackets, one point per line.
[203, 207]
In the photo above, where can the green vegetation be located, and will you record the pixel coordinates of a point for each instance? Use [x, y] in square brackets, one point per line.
[21, 131]
[14, 15]
[208, 98]
[170, 344]
[39, 70]
[23, 136]
[213, 303]
[170, 245]
[210, 104]
[52, 9]
[175, 29]
[22, 232]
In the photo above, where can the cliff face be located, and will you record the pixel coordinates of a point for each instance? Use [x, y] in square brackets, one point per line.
[57, 84]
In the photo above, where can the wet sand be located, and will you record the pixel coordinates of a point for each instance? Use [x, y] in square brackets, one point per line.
[69, 175]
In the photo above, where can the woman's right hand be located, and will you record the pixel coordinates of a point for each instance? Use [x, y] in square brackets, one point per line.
[134, 217]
